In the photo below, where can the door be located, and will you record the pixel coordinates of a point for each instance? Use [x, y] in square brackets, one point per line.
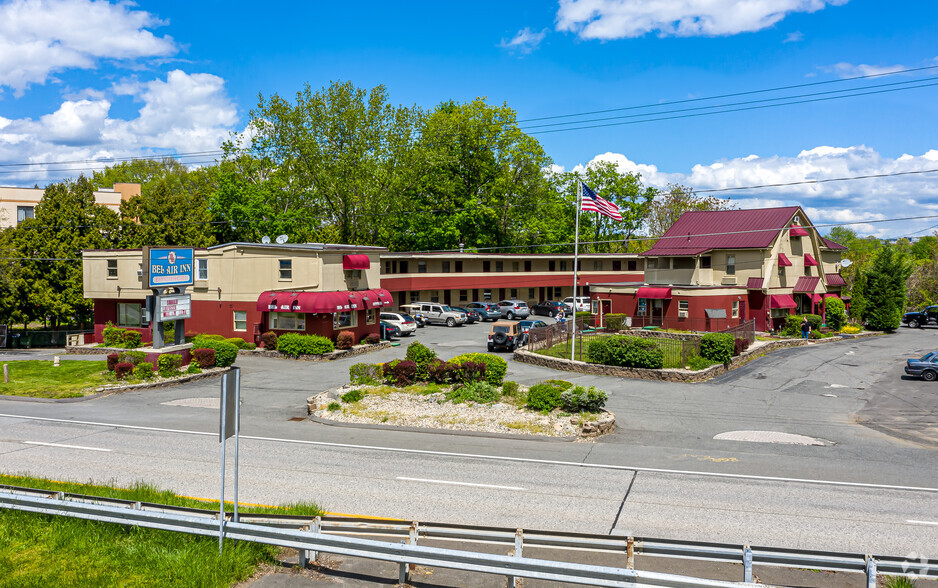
[742, 311]
[657, 312]
[447, 297]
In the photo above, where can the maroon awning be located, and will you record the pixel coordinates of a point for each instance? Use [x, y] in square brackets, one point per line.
[806, 284]
[654, 293]
[783, 260]
[835, 280]
[325, 302]
[353, 262]
[808, 260]
[797, 231]
[831, 295]
[754, 284]
[782, 301]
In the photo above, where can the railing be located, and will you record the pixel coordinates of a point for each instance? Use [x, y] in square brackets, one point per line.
[281, 530]
[26, 339]
[746, 331]
[698, 324]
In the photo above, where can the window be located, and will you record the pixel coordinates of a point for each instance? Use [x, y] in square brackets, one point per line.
[435, 296]
[459, 267]
[444, 267]
[464, 295]
[617, 265]
[202, 266]
[286, 269]
[736, 309]
[288, 321]
[527, 265]
[24, 212]
[514, 293]
[597, 265]
[731, 265]
[486, 294]
[684, 263]
[652, 263]
[371, 316]
[530, 293]
[129, 315]
[563, 265]
[486, 266]
[664, 263]
[642, 306]
[807, 270]
[551, 265]
[499, 266]
[414, 297]
[240, 320]
[558, 292]
[403, 266]
[705, 262]
[421, 267]
[683, 305]
[633, 265]
[342, 320]
[387, 267]
[353, 274]
[516, 266]
[781, 271]
[112, 268]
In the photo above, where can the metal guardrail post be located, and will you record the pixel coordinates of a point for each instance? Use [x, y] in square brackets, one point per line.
[630, 553]
[317, 528]
[303, 554]
[519, 545]
[870, 572]
[747, 563]
[403, 574]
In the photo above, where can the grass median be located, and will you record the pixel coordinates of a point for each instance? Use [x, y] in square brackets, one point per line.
[673, 357]
[46, 551]
[41, 379]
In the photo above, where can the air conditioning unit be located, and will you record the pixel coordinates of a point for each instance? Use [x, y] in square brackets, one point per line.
[682, 314]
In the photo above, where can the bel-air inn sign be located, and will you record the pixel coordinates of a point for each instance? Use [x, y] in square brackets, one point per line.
[169, 268]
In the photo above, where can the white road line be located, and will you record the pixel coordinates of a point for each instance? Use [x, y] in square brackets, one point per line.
[498, 457]
[459, 483]
[65, 446]
[923, 522]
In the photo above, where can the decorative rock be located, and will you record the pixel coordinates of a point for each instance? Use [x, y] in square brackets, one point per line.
[55, 361]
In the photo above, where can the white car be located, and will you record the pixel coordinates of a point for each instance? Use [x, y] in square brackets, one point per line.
[582, 303]
[404, 322]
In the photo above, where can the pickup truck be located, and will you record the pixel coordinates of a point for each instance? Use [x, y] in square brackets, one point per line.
[926, 316]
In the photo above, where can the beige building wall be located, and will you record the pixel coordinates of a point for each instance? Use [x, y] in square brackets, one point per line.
[11, 198]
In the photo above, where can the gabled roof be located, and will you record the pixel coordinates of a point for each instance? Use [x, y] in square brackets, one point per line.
[701, 231]
[832, 245]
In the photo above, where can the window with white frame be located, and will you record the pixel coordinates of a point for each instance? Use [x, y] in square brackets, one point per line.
[486, 294]
[353, 274]
[129, 314]
[111, 268]
[286, 269]
[731, 265]
[344, 320]
[240, 320]
[683, 305]
[371, 316]
[736, 309]
[421, 267]
[288, 321]
[202, 267]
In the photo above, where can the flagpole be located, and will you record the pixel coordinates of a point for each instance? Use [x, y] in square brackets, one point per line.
[576, 260]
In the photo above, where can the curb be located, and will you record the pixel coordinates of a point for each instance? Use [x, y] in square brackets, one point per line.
[455, 432]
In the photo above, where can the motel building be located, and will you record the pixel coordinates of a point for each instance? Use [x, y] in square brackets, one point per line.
[716, 269]
[459, 278]
[245, 289]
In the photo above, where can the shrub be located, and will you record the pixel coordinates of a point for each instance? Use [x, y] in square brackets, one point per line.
[249, 346]
[495, 367]
[850, 329]
[792, 326]
[836, 313]
[717, 347]
[816, 335]
[814, 320]
[468, 372]
[269, 340]
[441, 372]
[132, 357]
[123, 368]
[480, 392]
[365, 374]
[294, 345]
[205, 357]
[372, 338]
[169, 333]
[562, 384]
[615, 322]
[143, 371]
[698, 363]
[580, 399]
[208, 337]
[112, 359]
[739, 345]
[400, 373]
[131, 339]
[510, 388]
[225, 353]
[421, 355]
[334, 406]
[193, 368]
[112, 335]
[352, 396]
[168, 364]
[543, 396]
[237, 342]
[625, 351]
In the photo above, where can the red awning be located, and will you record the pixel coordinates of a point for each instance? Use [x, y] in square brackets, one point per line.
[808, 260]
[815, 298]
[754, 284]
[783, 260]
[782, 301]
[835, 280]
[384, 296]
[654, 293]
[304, 302]
[831, 295]
[797, 231]
[360, 262]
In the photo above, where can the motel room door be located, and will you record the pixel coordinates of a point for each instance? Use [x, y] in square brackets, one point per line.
[657, 312]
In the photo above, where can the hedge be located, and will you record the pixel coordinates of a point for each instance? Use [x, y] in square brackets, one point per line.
[345, 340]
[836, 313]
[204, 357]
[295, 344]
[717, 347]
[495, 367]
[792, 326]
[625, 351]
[580, 399]
[131, 339]
[168, 364]
[123, 368]
[269, 340]
[615, 322]
[225, 353]
[112, 335]
[421, 355]
[132, 357]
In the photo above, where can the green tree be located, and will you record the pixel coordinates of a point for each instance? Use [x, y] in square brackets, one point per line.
[49, 280]
[668, 206]
[884, 289]
[167, 214]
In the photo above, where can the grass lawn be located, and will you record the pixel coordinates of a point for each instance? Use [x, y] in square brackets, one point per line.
[40, 379]
[49, 552]
[671, 347]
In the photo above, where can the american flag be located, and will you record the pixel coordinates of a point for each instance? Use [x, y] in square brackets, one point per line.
[594, 203]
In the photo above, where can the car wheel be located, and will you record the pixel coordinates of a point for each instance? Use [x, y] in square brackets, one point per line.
[913, 324]
[491, 347]
[510, 316]
[450, 322]
[552, 314]
[929, 376]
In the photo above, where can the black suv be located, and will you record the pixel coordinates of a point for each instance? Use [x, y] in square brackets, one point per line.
[928, 315]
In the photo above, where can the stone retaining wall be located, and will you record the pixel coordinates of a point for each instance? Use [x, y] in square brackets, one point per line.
[337, 354]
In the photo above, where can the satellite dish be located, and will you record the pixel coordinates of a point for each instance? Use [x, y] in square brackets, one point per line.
[845, 263]
[265, 239]
[282, 239]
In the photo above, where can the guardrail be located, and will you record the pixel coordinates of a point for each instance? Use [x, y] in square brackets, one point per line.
[517, 539]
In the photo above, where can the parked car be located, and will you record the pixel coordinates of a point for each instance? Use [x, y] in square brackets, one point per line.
[582, 304]
[505, 335]
[925, 367]
[926, 316]
[512, 309]
[441, 314]
[414, 311]
[389, 331]
[471, 315]
[404, 322]
[489, 310]
[526, 326]
[548, 308]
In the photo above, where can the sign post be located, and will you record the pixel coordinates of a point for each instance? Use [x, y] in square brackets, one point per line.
[229, 425]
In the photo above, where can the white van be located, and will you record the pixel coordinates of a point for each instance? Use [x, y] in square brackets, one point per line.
[582, 303]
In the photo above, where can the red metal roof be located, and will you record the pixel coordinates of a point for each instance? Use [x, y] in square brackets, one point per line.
[754, 284]
[699, 231]
[782, 301]
[783, 260]
[806, 284]
[656, 293]
[832, 245]
[835, 280]
[797, 231]
[809, 260]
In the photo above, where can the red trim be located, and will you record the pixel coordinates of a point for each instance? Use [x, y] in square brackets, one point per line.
[783, 260]
[654, 293]
[797, 231]
[782, 301]
[808, 260]
[356, 262]
[831, 295]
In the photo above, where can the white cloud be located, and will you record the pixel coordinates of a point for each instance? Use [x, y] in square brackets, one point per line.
[850, 70]
[525, 41]
[617, 19]
[794, 37]
[41, 37]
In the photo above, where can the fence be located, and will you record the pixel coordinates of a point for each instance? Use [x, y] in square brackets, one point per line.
[28, 338]
[281, 530]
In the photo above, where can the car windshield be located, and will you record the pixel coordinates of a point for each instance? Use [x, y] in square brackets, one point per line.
[407, 317]
[501, 329]
[447, 309]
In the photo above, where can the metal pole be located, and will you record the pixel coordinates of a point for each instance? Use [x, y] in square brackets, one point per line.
[236, 436]
[747, 564]
[221, 501]
[576, 260]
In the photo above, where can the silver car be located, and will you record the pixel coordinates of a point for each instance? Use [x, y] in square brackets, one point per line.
[514, 309]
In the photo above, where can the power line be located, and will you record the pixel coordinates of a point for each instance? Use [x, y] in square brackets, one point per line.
[118, 159]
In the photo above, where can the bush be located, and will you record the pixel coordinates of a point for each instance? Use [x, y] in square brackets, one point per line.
[352, 396]
[814, 320]
[193, 368]
[495, 367]
[294, 345]
[510, 388]
[169, 333]
[131, 339]
[441, 372]
[543, 396]
[372, 338]
[205, 357]
[698, 363]
[143, 371]
[836, 313]
[237, 342]
[122, 369]
[480, 392]
[421, 355]
[580, 399]
[625, 351]
[249, 346]
[168, 364]
[112, 335]
[209, 337]
[562, 384]
[717, 347]
[365, 374]
[334, 406]
[400, 373]
[850, 329]
[739, 345]
[345, 340]
[269, 340]
[615, 322]
[792, 326]
[225, 353]
[468, 372]
[112, 359]
[132, 357]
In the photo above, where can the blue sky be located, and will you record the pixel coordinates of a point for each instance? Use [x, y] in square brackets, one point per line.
[83, 80]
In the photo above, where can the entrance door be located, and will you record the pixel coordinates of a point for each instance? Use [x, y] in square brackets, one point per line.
[657, 312]
[742, 311]
[446, 297]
